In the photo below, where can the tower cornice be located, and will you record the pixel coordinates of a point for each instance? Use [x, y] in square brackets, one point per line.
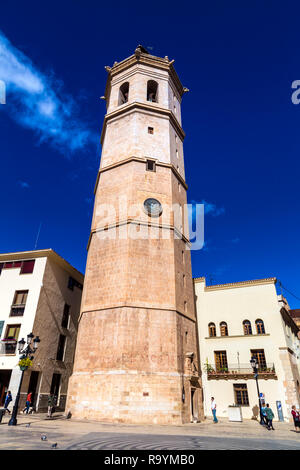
[152, 108]
[150, 61]
[142, 160]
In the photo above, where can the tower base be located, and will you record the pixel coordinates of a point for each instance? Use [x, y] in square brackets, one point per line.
[133, 397]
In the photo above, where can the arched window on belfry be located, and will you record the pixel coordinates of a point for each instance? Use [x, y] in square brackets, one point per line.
[260, 327]
[212, 330]
[223, 328]
[152, 91]
[247, 327]
[123, 93]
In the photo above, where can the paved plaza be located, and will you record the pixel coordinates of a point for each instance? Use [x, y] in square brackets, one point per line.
[68, 434]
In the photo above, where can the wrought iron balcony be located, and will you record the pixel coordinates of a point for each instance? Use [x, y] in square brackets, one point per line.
[8, 347]
[239, 371]
[17, 310]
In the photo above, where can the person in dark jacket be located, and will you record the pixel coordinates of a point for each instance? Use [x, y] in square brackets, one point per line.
[270, 416]
[51, 405]
[296, 418]
[8, 399]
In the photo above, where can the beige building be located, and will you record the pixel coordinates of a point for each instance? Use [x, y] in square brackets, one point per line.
[40, 292]
[137, 357]
[238, 321]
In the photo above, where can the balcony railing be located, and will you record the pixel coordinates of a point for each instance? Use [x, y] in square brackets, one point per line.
[17, 310]
[8, 347]
[232, 370]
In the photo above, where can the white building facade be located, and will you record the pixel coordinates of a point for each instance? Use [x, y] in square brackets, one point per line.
[239, 321]
[40, 292]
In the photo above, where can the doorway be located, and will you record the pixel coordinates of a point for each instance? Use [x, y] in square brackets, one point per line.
[194, 405]
[33, 382]
[4, 384]
[55, 386]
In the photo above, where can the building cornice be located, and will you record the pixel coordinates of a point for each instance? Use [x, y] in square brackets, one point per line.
[237, 336]
[47, 253]
[139, 106]
[233, 285]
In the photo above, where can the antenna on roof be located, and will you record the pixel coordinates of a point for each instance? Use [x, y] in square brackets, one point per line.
[38, 235]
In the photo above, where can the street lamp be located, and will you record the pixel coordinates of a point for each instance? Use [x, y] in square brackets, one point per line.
[25, 352]
[253, 363]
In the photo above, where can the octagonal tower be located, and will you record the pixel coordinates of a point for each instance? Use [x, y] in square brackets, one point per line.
[137, 356]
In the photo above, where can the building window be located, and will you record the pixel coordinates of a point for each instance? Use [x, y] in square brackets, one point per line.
[241, 394]
[260, 328]
[150, 165]
[18, 306]
[150, 130]
[223, 329]
[123, 93]
[73, 283]
[221, 361]
[12, 332]
[152, 91]
[61, 348]
[212, 330]
[247, 327]
[259, 355]
[66, 316]
[26, 266]
[11, 338]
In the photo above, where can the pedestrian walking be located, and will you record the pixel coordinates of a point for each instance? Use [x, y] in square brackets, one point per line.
[264, 419]
[8, 399]
[51, 404]
[214, 409]
[270, 416]
[296, 418]
[28, 403]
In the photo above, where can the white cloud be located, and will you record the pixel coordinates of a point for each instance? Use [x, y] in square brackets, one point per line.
[36, 101]
[209, 208]
[212, 209]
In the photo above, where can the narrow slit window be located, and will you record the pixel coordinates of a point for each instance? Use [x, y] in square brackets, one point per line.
[150, 165]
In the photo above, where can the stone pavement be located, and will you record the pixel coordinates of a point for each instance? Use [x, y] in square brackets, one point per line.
[72, 435]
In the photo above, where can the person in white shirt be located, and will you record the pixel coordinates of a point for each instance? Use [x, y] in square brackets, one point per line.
[214, 409]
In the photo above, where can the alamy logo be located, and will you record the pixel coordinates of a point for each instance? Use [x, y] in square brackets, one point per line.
[295, 95]
[2, 92]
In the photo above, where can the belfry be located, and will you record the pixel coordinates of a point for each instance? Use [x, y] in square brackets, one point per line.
[137, 358]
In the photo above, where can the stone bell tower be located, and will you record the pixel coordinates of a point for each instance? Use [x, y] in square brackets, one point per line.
[137, 357]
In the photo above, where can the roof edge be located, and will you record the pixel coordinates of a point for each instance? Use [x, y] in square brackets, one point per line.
[232, 285]
[48, 253]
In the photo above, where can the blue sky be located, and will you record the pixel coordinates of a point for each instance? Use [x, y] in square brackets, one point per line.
[242, 145]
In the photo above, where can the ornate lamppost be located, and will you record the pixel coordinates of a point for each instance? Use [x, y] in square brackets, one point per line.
[254, 365]
[25, 362]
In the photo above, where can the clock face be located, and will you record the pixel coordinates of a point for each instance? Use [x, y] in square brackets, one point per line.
[152, 207]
